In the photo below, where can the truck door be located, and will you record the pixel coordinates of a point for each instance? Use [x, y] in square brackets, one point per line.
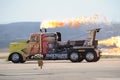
[34, 44]
[48, 42]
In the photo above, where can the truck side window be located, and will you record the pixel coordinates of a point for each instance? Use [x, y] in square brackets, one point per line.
[34, 39]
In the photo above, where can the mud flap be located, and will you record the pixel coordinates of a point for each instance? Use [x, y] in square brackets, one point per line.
[98, 52]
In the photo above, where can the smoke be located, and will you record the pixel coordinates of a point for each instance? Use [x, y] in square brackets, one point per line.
[74, 22]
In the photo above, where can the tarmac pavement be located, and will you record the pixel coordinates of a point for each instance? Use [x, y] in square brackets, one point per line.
[105, 69]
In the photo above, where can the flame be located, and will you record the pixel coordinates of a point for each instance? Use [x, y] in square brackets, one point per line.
[111, 41]
[73, 22]
[52, 24]
[113, 45]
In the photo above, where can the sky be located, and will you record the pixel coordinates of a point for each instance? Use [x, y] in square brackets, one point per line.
[40, 10]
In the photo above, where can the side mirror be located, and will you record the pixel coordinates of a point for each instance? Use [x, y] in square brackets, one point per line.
[28, 41]
[98, 29]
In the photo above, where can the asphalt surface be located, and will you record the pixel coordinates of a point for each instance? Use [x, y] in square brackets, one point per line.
[105, 69]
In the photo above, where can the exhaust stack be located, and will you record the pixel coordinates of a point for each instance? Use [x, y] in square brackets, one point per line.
[45, 30]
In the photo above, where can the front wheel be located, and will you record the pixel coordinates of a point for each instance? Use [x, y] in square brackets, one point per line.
[22, 61]
[16, 58]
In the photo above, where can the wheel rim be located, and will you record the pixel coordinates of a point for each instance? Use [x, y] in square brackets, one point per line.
[90, 56]
[74, 56]
[15, 57]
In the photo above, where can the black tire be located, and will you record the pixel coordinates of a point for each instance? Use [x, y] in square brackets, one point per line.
[16, 58]
[90, 56]
[80, 57]
[75, 57]
[22, 61]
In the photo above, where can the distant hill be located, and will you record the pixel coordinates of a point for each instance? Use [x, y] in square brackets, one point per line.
[16, 31]
[21, 31]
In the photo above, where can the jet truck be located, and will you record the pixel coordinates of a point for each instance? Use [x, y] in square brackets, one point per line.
[49, 46]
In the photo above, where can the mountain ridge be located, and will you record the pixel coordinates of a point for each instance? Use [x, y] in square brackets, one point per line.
[21, 30]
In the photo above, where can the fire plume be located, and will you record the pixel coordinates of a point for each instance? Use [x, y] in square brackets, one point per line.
[52, 24]
[111, 46]
[73, 22]
[113, 41]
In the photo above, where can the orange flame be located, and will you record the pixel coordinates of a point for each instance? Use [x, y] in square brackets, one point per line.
[111, 41]
[113, 45]
[52, 24]
[74, 22]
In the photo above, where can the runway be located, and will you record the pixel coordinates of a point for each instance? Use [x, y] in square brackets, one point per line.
[105, 69]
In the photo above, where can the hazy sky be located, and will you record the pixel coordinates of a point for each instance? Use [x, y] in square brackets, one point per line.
[39, 10]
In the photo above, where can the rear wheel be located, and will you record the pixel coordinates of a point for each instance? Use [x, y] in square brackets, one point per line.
[75, 57]
[80, 57]
[90, 56]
